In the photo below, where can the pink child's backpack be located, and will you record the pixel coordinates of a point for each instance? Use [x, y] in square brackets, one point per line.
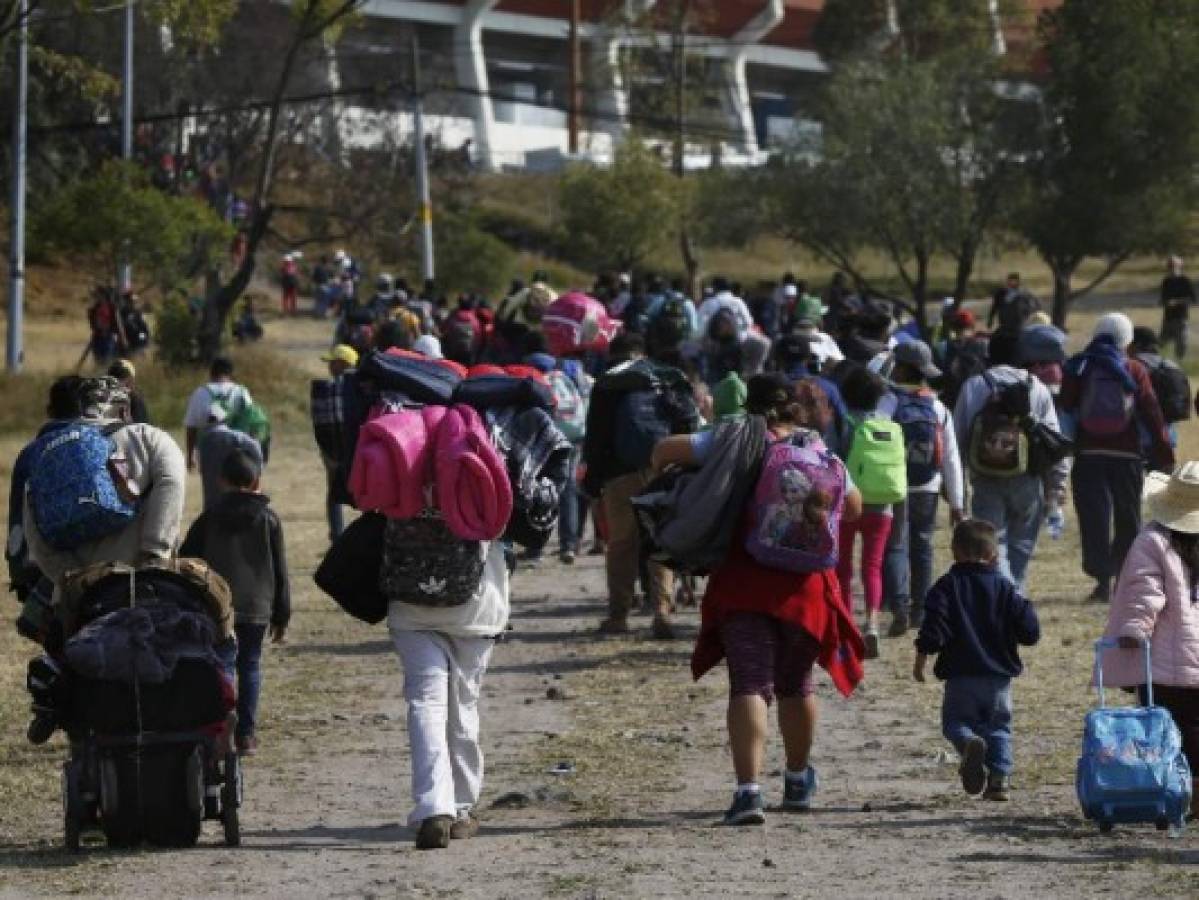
[577, 323]
[796, 508]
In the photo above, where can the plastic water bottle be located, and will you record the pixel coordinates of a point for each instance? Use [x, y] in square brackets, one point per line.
[1055, 522]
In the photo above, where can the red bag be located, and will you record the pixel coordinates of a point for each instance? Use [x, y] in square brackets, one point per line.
[577, 323]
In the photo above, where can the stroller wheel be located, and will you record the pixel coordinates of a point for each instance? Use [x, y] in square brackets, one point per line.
[72, 804]
[231, 800]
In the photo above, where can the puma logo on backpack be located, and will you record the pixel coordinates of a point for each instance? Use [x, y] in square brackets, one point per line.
[72, 489]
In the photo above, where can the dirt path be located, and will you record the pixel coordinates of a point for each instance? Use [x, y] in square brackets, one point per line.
[327, 796]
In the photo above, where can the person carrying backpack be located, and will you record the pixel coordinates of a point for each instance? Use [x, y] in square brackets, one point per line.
[633, 406]
[1170, 382]
[240, 412]
[672, 323]
[1110, 399]
[875, 460]
[933, 465]
[962, 355]
[774, 608]
[996, 414]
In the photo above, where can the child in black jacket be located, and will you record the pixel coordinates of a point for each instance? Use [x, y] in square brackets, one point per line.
[974, 621]
[241, 538]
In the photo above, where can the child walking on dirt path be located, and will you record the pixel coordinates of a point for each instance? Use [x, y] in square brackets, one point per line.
[242, 539]
[974, 621]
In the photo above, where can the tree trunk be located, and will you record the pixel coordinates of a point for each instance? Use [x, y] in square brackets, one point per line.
[965, 268]
[221, 297]
[1061, 294]
[920, 293]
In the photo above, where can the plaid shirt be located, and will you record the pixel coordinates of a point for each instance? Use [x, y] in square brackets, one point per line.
[328, 417]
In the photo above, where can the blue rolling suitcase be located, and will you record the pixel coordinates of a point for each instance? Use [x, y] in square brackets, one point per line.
[1132, 769]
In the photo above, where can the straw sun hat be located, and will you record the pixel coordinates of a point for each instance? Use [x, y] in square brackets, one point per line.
[1174, 499]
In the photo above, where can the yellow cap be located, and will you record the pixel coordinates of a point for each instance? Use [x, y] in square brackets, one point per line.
[342, 353]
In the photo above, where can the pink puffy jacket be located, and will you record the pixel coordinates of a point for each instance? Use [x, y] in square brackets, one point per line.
[1154, 600]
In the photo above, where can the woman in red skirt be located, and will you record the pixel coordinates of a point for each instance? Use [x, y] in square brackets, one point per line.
[773, 625]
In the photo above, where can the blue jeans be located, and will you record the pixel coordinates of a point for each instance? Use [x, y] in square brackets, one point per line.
[1016, 507]
[572, 509]
[249, 676]
[980, 706]
[908, 565]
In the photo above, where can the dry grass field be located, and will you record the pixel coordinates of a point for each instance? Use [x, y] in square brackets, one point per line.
[327, 797]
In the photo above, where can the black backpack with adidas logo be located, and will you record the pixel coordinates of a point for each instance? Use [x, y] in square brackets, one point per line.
[424, 564]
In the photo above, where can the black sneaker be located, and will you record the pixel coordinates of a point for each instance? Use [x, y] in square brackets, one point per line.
[973, 768]
[871, 641]
[747, 809]
[999, 787]
[899, 625]
[798, 792]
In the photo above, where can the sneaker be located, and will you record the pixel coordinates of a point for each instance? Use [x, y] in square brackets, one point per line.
[613, 626]
[247, 745]
[798, 792]
[434, 833]
[999, 787]
[899, 625]
[662, 630]
[567, 557]
[465, 827]
[871, 639]
[1102, 593]
[747, 809]
[973, 769]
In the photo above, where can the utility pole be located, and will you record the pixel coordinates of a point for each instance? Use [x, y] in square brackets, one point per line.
[15, 349]
[576, 63]
[422, 165]
[125, 276]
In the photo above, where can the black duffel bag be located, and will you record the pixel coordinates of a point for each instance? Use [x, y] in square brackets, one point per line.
[349, 573]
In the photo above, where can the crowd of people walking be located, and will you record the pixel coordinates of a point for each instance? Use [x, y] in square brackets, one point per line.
[758, 442]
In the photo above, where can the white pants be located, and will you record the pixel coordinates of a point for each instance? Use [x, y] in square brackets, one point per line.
[442, 676]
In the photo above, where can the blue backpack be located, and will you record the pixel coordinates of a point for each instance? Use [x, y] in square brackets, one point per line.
[923, 436]
[74, 497]
[1132, 768]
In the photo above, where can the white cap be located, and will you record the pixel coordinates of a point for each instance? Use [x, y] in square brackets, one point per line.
[790, 290]
[1117, 326]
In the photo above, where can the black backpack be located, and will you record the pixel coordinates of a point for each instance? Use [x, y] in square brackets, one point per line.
[425, 564]
[1170, 385]
[644, 417]
[962, 363]
[671, 326]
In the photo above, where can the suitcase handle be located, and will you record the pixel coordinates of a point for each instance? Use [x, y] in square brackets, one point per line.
[1111, 644]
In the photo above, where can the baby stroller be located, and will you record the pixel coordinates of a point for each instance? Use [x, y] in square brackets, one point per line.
[146, 704]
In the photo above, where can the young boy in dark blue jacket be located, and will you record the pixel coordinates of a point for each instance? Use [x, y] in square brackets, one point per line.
[974, 622]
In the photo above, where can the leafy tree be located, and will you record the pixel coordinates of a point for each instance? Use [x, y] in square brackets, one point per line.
[919, 151]
[312, 23]
[1117, 146]
[617, 216]
[117, 215]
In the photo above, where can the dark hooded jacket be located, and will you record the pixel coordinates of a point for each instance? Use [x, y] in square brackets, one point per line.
[241, 538]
